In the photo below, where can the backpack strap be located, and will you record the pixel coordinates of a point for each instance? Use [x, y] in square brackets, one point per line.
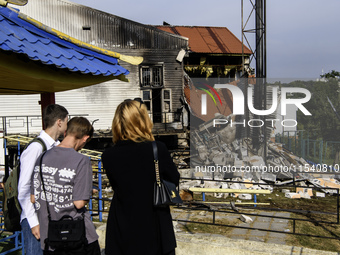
[39, 140]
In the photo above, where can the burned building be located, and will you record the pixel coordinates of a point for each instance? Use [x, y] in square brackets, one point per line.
[213, 51]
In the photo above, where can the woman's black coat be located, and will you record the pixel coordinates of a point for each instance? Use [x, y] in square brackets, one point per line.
[134, 225]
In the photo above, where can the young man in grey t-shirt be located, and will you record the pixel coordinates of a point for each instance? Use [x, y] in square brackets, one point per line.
[67, 177]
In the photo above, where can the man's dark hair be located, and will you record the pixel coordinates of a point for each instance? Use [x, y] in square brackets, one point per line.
[52, 113]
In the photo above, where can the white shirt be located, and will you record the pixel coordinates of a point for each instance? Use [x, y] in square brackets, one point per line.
[27, 161]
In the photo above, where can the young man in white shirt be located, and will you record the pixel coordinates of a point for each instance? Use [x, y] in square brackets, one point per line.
[55, 119]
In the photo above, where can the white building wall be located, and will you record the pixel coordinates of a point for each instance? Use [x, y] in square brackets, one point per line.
[97, 102]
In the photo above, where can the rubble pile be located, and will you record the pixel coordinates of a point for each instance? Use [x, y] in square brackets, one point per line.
[217, 154]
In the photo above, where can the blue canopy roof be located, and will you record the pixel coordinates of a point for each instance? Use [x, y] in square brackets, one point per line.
[22, 37]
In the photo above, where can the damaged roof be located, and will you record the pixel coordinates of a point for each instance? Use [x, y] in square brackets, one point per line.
[216, 40]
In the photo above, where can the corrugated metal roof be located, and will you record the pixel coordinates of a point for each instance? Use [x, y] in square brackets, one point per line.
[19, 36]
[218, 40]
[107, 30]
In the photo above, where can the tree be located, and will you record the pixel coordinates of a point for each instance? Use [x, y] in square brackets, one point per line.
[332, 74]
[323, 124]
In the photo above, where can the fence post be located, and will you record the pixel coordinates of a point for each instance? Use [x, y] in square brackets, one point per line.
[100, 200]
[320, 151]
[337, 202]
[303, 147]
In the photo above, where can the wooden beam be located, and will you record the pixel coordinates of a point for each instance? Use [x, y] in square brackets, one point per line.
[45, 100]
[245, 191]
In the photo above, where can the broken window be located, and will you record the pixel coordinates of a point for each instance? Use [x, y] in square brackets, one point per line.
[166, 99]
[147, 98]
[151, 76]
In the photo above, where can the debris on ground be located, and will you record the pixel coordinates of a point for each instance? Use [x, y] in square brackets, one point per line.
[220, 155]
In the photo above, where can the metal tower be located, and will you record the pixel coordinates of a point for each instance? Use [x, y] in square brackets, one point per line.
[257, 9]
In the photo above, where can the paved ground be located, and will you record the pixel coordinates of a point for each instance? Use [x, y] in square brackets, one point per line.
[240, 241]
[205, 244]
[259, 222]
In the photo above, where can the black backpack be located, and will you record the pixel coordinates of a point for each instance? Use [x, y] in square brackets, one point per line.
[11, 205]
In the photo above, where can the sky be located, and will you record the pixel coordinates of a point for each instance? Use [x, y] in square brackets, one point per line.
[303, 38]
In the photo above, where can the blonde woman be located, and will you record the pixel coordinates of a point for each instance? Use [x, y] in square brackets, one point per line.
[134, 225]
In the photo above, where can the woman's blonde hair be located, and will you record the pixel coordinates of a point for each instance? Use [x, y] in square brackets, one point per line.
[132, 122]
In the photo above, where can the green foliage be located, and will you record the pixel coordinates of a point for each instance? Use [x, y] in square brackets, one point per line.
[332, 74]
[324, 123]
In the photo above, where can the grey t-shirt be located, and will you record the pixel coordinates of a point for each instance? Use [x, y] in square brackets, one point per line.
[67, 177]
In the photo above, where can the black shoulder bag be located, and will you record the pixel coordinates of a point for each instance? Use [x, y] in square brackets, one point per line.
[66, 233]
[165, 192]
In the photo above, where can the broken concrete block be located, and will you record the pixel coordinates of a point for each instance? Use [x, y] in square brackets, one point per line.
[268, 187]
[238, 163]
[268, 177]
[248, 176]
[246, 219]
[235, 145]
[245, 196]
[256, 187]
[320, 194]
[248, 184]
[305, 190]
[330, 191]
[332, 183]
[285, 190]
[219, 159]
[235, 186]
[244, 152]
[284, 182]
[189, 184]
[203, 213]
[198, 174]
[203, 152]
[212, 185]
[292, 195]
[225, 186]
[257, 161]
[304, 195]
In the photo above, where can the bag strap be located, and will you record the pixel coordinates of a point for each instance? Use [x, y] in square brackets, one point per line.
[43, 184]
[155, 156]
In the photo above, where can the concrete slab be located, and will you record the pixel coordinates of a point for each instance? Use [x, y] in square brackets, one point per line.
[279, 221]
[257, 233]
[239, 231]
[256, 238]
[279, 227]
[267, 213]
[263, 219]
[200, 244]
[276, 241]
[261, 225]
